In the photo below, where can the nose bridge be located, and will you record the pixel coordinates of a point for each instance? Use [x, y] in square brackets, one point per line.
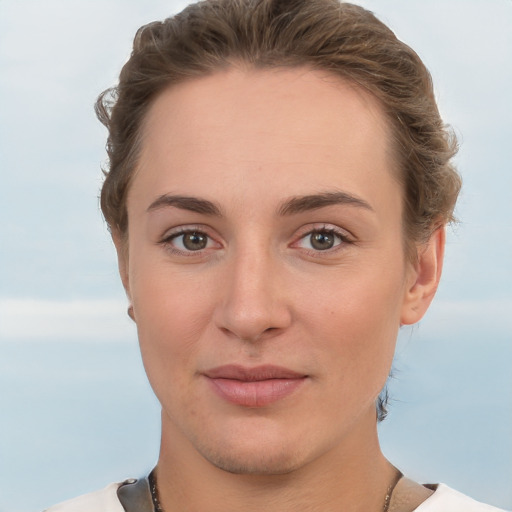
[253, 302]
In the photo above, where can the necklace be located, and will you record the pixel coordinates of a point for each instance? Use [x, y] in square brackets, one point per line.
[389, 493]
[154, 492]
[158, 507]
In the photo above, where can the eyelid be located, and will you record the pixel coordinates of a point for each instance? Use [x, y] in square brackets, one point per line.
[324, 226]
[345, 236]
[173, 233]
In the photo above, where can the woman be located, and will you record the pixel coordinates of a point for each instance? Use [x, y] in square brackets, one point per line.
[278, 188]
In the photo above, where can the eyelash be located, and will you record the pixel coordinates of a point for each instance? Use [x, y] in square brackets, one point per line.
[342, 236]
[168, 239]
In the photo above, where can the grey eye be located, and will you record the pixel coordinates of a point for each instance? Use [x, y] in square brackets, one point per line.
[193, 241]
[322, 240]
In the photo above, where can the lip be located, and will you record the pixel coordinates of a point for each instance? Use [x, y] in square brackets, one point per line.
[254, 387]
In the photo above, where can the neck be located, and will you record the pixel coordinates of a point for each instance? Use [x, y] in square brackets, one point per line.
[353, 476]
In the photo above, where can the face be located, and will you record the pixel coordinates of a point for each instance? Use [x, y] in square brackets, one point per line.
[265, 265]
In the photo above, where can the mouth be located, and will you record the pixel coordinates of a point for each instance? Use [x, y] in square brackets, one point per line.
[254, 387]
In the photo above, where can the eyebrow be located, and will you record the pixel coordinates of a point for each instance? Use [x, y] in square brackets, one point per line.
[315, 201]
[193, 204]
[293, 206]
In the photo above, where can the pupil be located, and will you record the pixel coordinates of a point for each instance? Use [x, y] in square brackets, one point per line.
[194, 241]
[322, 241]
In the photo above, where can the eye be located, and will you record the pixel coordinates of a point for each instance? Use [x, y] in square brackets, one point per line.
[189, 241]
[322, 240]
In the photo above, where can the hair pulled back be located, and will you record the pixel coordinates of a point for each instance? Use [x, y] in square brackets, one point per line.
[341, 38]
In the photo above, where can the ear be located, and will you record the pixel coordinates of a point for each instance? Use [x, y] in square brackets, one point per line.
[423, 278]
[121, 245]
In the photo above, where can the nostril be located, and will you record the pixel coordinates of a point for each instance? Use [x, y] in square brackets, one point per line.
[267, 333]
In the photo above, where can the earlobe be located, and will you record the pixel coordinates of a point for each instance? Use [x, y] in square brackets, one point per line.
[424, 278]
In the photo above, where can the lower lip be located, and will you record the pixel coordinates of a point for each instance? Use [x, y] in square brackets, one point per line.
[255, 394]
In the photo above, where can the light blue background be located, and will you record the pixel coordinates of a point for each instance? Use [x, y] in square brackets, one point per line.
[76, 411]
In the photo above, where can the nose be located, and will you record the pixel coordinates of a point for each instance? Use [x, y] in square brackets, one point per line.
[253, 304]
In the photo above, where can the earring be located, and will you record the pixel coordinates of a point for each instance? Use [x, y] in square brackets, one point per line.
[130, 312]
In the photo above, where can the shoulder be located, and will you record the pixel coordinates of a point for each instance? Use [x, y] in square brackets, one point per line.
[445, 499]
[104, 500]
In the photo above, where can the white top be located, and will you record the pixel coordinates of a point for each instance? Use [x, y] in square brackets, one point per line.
[443, 499]
[99, 501]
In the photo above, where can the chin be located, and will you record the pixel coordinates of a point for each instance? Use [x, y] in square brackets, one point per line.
[257, 464]
[253, 454]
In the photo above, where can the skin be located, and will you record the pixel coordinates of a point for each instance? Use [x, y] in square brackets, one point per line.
[251, 143]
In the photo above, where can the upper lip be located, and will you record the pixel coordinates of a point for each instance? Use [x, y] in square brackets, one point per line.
[243, 373]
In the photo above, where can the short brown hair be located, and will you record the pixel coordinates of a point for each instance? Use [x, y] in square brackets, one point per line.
[341, 38]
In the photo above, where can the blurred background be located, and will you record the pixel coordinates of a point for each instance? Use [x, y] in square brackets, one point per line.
[76, 411]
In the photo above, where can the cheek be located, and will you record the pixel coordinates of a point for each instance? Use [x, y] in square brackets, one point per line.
[357, 321]
[171, 316]
[167, 302]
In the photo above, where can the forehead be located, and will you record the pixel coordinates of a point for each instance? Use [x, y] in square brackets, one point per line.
[269, 99]
[298, 128]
